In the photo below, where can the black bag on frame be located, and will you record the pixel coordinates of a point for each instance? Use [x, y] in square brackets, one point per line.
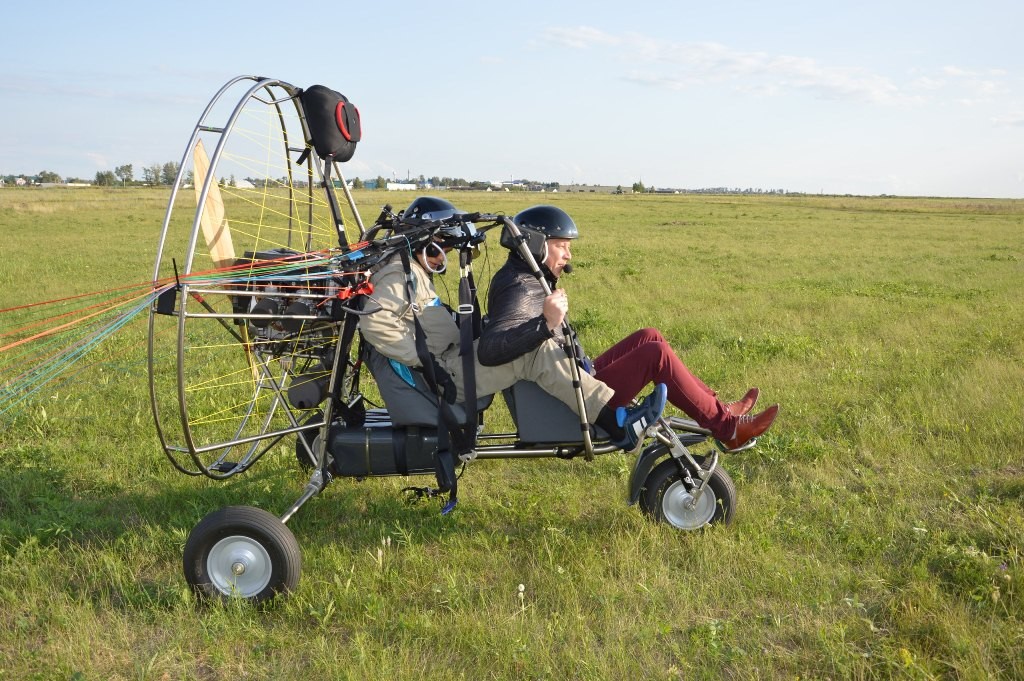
[333, 121]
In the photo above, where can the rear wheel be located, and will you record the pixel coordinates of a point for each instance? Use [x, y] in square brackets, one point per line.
[669, 497]
[242, 552]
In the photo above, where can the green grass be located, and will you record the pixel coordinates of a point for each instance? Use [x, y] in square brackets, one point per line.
[879, 528]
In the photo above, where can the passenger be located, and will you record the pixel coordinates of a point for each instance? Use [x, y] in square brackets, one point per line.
[522, 318]
[391, 330]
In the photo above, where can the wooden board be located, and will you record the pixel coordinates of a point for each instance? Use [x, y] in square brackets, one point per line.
[215, 228]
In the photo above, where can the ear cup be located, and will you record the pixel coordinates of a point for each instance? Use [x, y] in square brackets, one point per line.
[432, 250]
[535, 241]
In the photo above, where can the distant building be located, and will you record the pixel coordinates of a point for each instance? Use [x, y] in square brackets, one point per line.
[401, 186]
[590, 188]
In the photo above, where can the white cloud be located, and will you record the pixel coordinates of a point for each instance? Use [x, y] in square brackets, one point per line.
[99, 160]
[831, 82]
[667, 82]
[581, 37]
[956, 71]
[1014, 120]
[677, 65]
[987, 87]
[927, 83]
[977, 87]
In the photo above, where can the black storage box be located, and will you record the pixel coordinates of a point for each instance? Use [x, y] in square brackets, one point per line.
[382, 449]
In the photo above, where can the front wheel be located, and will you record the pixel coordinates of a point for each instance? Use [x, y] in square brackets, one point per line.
[241, 552]
[668, 497]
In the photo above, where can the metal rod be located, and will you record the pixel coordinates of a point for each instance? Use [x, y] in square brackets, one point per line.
[257, 294]
[253, 438]
[313, 487]
[239, 315]
[351, 201]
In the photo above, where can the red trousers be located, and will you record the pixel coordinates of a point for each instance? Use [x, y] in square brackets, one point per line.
[646, 357]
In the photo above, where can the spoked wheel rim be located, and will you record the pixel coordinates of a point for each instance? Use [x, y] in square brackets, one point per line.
[679, 510]
[239, 566]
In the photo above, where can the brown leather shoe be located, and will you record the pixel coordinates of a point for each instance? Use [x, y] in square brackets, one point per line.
[744, 404]
[748, 427]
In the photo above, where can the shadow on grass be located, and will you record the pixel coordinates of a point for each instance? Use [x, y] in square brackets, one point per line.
[54, 507]
[51, 506]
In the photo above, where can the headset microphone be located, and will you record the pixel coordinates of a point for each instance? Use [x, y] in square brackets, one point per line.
[567, 269]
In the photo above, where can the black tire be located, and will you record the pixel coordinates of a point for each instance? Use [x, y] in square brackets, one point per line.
[241, 552]
[666, 494]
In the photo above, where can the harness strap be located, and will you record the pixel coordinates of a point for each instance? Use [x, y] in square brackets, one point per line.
[447, 416]
[467, 313]
[461, 441]
[451, 436]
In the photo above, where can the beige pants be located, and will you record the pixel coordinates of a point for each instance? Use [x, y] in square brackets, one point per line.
[548, 366]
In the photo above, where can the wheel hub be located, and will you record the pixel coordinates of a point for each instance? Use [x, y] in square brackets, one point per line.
[239, 566]
[682, 510]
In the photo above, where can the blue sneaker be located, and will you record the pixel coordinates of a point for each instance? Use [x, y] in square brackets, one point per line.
[635, 420]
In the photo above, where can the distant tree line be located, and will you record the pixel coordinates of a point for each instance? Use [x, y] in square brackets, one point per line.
[42, 177]
[122, 176]
[438, 182]
[158, 174]
[154, 175]
[421, 182]
[735, 190]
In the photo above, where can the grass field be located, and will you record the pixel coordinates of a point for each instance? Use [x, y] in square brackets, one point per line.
[880, 526]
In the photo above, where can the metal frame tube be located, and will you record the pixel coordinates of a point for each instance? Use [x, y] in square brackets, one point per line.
[223, 131]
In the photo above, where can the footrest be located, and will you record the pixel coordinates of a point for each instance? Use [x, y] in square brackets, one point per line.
[749, 444]
[686, 425]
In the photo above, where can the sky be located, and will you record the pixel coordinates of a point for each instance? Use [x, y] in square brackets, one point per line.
[895, 97]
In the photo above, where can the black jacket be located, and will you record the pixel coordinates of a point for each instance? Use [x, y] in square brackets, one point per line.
[515, 310]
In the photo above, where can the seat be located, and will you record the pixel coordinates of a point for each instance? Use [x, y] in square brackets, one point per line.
[542, 418]
[410, 405]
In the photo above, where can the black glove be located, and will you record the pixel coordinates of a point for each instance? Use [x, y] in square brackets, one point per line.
[445, 384]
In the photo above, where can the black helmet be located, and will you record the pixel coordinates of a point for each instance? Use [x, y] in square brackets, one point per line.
[551, 221]
[538, 224]
[428, 208]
